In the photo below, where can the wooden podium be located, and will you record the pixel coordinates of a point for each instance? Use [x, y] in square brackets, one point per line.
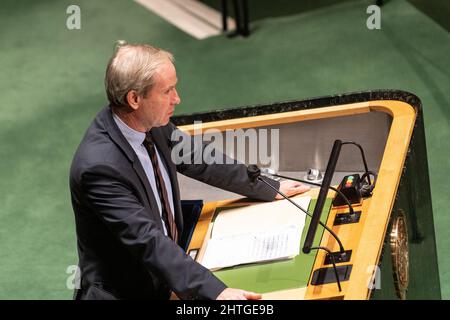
[393, 250]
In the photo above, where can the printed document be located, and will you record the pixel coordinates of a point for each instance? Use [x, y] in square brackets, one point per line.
[257, 233]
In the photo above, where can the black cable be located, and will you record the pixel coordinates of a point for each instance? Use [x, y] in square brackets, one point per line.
[334, 264]
[366, 190]
[363, 158]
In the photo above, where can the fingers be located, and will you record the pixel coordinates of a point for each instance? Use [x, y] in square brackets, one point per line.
[291, 188]
[295, 184]
[301, 188]
[252, 295]
[238, 294]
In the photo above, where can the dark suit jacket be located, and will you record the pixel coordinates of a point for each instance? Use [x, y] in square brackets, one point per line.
[123, 252]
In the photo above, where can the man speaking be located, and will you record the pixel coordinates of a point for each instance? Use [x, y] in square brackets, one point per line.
[125, 193]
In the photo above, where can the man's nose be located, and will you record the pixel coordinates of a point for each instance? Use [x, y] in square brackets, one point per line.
[177, 99]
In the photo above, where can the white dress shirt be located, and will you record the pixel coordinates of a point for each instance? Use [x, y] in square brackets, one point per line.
[136, 139]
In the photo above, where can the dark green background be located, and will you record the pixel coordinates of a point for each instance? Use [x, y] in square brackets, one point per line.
[51, 82]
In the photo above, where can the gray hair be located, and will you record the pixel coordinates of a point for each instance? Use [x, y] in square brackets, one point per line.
[132, 67]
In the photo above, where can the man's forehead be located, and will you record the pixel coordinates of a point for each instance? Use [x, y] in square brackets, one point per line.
[166, 76]
[164, 82]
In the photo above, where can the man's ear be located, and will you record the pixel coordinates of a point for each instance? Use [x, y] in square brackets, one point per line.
[132, 99]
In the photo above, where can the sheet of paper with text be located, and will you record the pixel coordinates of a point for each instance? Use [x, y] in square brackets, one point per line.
[257, 233]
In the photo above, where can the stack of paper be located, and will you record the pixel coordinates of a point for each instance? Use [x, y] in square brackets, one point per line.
[262, 232]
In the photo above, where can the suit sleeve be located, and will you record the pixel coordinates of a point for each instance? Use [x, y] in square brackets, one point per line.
[229, 174]
[112, 199]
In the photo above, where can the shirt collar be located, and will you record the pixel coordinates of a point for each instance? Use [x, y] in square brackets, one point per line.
[135, 138]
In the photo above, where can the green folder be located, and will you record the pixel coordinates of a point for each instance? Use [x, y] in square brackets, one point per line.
[277, 275]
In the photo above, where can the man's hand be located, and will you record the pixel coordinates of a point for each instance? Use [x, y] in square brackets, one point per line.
[291, 188]
[238, 294]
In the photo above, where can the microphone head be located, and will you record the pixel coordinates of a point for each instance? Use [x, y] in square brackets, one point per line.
[253, 172]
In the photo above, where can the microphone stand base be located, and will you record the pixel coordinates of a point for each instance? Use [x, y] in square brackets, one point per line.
[339, 257]
[347, 218]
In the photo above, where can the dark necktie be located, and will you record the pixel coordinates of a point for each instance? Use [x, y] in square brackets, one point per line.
[167, 215]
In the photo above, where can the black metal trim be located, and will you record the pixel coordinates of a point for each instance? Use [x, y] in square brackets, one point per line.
[327, 275]
[339, 257]
[347, 218]
[318, 102]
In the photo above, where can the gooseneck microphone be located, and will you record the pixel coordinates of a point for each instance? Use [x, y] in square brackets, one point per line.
[254, 173]
[350, 208]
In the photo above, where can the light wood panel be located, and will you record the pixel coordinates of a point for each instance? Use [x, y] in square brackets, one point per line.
[279, 118]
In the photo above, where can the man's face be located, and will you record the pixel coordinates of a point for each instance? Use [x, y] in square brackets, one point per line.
[158, 105]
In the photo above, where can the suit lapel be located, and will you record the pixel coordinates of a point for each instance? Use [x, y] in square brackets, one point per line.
[121, 141]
